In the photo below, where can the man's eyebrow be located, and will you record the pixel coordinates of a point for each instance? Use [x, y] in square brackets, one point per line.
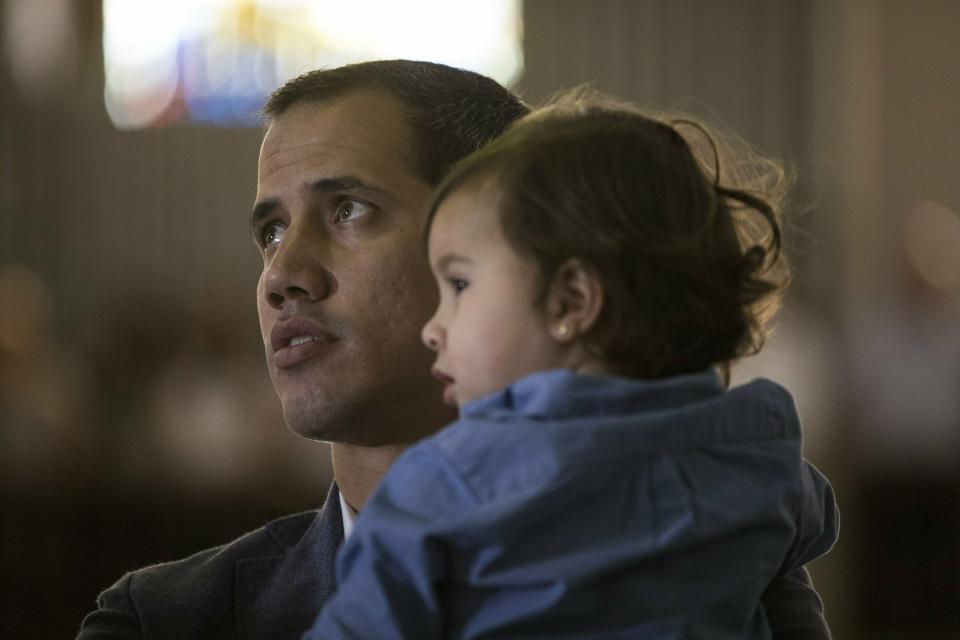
[261, 210]
[343, 183]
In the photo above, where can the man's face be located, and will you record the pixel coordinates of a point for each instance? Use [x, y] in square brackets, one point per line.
[345, 287]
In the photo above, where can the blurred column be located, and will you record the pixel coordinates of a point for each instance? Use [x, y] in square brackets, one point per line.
[885, 102]
[743, 62]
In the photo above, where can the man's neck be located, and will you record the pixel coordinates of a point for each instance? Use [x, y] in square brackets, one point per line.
[358, 470]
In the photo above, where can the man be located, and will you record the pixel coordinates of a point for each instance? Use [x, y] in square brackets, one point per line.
[345, 174]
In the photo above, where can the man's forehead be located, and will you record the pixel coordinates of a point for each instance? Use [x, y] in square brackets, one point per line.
[362, 124]
[276, 155]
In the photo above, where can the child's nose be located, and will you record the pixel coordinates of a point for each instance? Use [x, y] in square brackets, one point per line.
[432, 334]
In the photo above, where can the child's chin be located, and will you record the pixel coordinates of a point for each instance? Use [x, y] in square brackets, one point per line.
[450, 396]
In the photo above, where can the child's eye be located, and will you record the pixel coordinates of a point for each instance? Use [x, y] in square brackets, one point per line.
[458, 284]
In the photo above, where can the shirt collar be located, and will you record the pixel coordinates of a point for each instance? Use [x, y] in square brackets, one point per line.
[347, 516]
[563, 393]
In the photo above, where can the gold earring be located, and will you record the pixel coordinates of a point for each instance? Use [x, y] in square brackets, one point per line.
[562, 330]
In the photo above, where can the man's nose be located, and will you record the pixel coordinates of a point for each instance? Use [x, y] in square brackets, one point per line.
[297, 269]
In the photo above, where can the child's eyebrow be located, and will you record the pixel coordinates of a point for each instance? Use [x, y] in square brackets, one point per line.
[451, 258]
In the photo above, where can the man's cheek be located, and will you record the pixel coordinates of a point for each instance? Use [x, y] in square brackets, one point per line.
[405, 293]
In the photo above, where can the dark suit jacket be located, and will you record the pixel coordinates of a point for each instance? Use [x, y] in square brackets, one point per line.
[272, 582]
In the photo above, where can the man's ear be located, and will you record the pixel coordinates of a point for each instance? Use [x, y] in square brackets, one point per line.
[574, 300]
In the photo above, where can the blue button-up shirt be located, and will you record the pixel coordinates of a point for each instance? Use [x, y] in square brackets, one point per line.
[574, 506]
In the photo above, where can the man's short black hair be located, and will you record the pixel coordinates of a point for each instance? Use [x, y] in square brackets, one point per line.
[452, 112]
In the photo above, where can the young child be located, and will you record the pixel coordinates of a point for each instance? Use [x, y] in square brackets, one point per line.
[601, 482]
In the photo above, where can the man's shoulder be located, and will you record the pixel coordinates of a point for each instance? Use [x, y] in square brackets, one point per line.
[198, 570]
[215, 592]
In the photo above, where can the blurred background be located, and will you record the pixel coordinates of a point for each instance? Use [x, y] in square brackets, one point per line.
[137, 421]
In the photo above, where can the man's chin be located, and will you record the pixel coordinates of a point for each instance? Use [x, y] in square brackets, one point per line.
[323, 425]
[337, 425]
[370, 416]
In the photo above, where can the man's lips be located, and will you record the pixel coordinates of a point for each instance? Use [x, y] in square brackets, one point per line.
[297, 339]
[448, 389]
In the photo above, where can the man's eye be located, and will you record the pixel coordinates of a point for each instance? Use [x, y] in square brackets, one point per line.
[272, 234]
[350, 210]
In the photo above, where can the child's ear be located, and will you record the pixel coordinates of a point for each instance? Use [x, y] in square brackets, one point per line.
[574, 300]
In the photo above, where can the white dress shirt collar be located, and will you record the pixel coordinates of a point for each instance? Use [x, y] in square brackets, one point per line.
[347, 515]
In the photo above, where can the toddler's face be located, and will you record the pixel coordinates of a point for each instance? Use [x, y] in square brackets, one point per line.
[486, 331]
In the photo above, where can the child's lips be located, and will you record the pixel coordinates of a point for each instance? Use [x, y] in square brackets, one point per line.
[448, 389]
[441, 375]
[449, 395]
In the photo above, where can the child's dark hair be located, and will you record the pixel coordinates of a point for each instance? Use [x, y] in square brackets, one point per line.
[685, 239]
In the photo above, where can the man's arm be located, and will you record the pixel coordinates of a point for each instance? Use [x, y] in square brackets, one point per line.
[115, 617]
[794, 609]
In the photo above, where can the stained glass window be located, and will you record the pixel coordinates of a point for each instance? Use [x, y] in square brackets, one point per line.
[215, 61]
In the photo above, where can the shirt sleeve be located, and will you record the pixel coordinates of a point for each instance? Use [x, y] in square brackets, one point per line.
[817, 519]
[793, 608]
[390, 570]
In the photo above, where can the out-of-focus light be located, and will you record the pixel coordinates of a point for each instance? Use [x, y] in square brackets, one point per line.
[482, 36]
[138, 34]
[218, 60]
[140, 43]
[932, 244]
